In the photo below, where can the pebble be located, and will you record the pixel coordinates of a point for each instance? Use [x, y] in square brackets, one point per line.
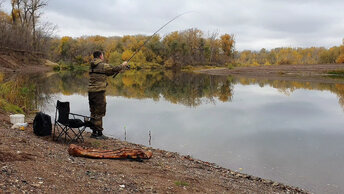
[4, 169]
[36, 185]
[169, 155]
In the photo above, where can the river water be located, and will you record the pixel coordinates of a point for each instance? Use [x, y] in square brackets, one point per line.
[287, 131]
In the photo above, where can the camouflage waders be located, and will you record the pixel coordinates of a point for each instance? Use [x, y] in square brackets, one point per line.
[97, 102]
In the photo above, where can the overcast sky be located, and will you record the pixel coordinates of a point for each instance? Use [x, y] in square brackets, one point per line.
[255, 24]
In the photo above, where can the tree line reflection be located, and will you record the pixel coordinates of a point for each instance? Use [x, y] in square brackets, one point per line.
[184, 88]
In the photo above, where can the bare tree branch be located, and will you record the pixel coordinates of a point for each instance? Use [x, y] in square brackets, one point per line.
[22, 31]
[212, 39]
[35, 6]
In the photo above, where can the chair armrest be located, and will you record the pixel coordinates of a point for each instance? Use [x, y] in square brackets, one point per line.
[80, 115]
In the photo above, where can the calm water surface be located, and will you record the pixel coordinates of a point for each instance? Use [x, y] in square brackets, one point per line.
[291, 132]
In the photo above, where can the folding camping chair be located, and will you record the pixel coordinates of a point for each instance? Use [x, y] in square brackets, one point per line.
[71, 129]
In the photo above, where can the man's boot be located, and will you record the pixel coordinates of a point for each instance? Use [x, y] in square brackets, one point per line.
[101, 136]
[94, 134]
[97, 126]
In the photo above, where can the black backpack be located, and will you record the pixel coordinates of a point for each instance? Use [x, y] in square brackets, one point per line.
[42, 124]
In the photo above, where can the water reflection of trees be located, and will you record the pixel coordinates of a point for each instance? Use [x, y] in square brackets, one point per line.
[185, 88]
[288, 87]
[180, 87]
[177, 87]
[22, 91]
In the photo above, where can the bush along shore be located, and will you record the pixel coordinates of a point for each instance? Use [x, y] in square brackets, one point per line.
[37, 164]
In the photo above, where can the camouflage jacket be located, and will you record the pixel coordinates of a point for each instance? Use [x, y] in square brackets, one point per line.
[98, 75]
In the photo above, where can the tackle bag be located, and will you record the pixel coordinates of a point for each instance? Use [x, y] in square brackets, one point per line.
[42, 124]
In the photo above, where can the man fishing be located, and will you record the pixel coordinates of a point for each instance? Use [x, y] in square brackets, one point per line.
[97, 84]
[99, 70]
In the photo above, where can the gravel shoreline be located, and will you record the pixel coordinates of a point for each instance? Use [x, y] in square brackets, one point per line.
[37, 164]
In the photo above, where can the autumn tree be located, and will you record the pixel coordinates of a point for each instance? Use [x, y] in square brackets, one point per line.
[211, 50]
[227, 44]
[67, 49]
[289, 56]
[24, 31]
[115, 58]
[173, 52]
[176, 49]
[340, 58]
[328, 56]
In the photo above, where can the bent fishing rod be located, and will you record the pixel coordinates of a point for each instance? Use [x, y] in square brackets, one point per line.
[149, 38]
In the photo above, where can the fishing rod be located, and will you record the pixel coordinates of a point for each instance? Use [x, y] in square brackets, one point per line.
[149, 38]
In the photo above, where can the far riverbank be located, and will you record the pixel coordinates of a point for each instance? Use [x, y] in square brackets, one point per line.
[314, 73]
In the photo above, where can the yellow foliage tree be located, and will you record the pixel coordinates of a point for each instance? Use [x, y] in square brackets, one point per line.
[126, 55]
[169, 63]
[138, 60]
[267, 63]
[5, 17]
[115, 58]
[64, 44]
[158, 59]
[340, 58]
[227, 44]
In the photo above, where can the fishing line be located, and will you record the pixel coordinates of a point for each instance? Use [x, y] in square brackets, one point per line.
[157, 32]
[150, 37]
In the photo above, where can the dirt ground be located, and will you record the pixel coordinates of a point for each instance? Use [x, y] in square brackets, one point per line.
[32, 164]
[316, 73]
[15, 61]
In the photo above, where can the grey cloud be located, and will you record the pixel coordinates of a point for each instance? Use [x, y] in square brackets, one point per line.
[256, 24]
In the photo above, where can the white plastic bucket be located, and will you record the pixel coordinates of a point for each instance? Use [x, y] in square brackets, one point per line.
[17, 118]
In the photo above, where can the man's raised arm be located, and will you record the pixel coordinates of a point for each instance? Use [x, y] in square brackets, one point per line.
[111, 70]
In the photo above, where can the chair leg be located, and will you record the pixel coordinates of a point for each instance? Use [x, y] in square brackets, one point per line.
[66, 133]
[75, 134]
[59, 133]
[79, 135]
[54, 131]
